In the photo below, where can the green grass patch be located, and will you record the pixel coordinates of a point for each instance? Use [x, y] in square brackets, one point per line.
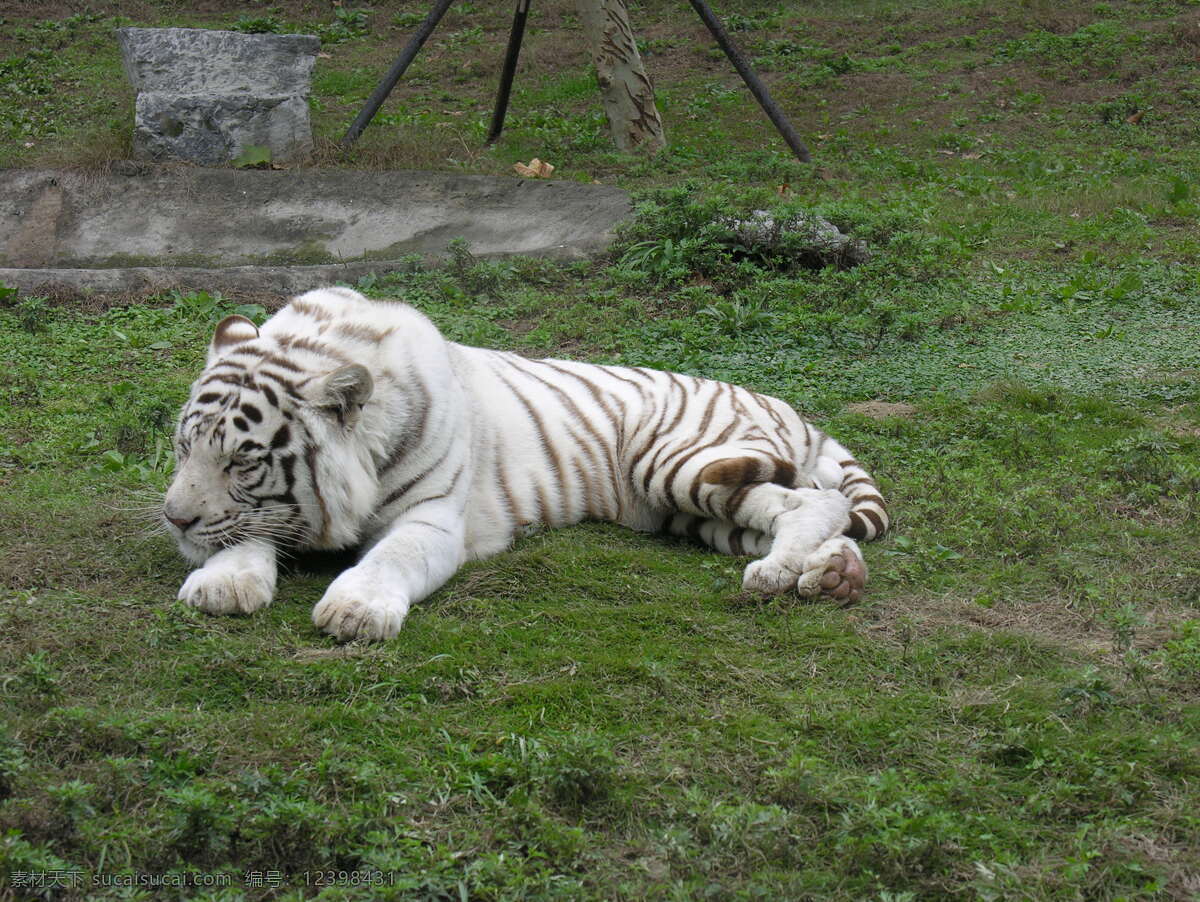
[1011, 712]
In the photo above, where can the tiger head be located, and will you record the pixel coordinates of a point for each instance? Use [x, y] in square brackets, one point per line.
[261, 448]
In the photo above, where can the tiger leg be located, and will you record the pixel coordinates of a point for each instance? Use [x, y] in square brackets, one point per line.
[415, 555]
[809, 552]
[727, 538]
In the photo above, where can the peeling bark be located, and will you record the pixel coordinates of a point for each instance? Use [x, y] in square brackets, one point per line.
[625, 89]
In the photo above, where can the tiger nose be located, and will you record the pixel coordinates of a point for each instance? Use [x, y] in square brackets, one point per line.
[180, 523]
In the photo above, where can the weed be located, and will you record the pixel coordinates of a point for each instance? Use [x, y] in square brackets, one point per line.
[1096, 48]
[408, 19]
[575, 773]
[1180, 191]
[476, 277]
[13, 764]
[155, 467]
[40, 675]
[665, 260]
[1125, 621]
[348, 24]
[1181, 653]
[1151, 463]
[19, 856]
[73, 801]
[737, 316]
[200, 824]
[212, 307]
[268, 24]
[34, 314]
[1093, 693]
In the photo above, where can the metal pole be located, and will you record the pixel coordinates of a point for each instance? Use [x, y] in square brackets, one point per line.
[757, 88]
[510, 69]
[375, 101]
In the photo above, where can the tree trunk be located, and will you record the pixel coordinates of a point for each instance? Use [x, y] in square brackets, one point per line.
[626, 91]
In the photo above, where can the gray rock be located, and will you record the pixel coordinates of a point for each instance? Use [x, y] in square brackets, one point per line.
[813, 241]
[205, 96]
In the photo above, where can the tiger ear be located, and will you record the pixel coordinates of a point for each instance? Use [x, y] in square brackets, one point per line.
[232, 330]
[343, 392]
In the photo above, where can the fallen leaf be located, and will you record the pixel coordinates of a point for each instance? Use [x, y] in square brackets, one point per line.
[1135, 118]
[537, 169]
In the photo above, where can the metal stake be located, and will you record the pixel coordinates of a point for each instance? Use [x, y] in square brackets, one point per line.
[510, 69]
[375, 101]
[753, 82]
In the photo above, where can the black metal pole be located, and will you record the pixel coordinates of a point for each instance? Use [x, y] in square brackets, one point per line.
[510, 69]
[375, 101]
[753, 82]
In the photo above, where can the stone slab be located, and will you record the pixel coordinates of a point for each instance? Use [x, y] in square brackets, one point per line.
[206, 96]
[188, 227]
[198, 61]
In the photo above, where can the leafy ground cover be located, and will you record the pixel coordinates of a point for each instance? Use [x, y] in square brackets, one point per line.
[1011, 712]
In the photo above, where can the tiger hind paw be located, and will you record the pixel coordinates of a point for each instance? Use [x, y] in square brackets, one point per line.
[835, 570]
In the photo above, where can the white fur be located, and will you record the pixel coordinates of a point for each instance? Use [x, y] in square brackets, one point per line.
[473, 447]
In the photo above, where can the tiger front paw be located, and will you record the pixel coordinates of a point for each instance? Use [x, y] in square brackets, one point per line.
[836, 570]
[216, 590]
[353, 608]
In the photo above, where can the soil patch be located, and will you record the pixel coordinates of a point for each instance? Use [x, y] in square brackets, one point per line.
[882, 410]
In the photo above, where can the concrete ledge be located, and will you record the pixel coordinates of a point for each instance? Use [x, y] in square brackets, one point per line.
[146, 280]
[144, 226]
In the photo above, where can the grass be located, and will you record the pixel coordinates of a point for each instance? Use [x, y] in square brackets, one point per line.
[1011, 712]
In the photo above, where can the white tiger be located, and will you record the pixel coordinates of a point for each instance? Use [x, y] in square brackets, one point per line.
[349, 422]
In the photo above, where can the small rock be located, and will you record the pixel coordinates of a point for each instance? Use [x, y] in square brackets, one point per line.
[819, 244]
